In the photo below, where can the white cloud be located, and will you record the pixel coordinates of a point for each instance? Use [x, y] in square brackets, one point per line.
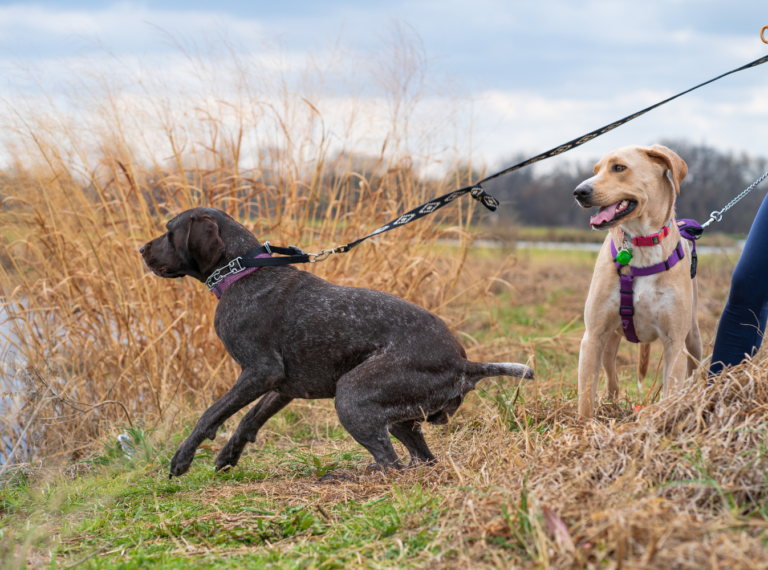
[535, 73]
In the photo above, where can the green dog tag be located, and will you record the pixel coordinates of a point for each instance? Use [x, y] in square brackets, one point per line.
[624, 256]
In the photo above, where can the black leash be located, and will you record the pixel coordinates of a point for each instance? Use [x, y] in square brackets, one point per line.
[295, 255]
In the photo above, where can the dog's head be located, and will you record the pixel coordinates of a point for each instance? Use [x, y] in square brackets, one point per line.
[633, 182]
[198, 241]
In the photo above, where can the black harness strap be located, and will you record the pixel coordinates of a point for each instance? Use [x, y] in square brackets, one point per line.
[295, 255]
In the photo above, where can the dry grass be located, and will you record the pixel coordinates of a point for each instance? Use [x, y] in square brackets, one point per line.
[99, 339]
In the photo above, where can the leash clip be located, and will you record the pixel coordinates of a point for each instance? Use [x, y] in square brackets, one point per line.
[326, 253]
[713, 217]
[322, 256]
[762, 36]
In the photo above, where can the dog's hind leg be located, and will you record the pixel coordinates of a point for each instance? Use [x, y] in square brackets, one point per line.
[249, 426]
[609, 364]
[674, 366]
[364, 409]
[693, 339]
[409, 433]
[643, 360]
[367, 424]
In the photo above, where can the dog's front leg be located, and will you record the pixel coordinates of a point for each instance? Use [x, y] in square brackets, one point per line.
[251, 384]
[249, 426]
[590, 355]
[609, 365]
[675, 365]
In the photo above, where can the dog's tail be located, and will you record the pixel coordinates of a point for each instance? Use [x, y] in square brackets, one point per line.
[642, 363]
[476, 371]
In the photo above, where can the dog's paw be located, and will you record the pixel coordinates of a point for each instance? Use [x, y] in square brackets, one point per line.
[384, 467]
[418, 462]
[337, 478]
[182, 460]
[228, 456]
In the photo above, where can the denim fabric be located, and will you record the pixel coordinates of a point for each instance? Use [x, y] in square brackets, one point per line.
[742, 324]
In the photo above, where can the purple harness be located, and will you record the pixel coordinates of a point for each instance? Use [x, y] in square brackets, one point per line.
[690, 230]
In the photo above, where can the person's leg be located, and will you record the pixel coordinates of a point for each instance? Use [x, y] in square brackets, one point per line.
[743, 321]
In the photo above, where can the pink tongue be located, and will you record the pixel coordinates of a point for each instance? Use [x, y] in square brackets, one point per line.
[605, 214]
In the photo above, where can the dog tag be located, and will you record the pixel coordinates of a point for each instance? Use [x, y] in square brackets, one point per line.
[624, 256]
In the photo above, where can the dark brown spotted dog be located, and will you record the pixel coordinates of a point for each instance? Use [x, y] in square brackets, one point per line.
[388, 363]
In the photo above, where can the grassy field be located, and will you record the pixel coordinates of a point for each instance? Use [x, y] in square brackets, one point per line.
[98, 349]
[519, 483]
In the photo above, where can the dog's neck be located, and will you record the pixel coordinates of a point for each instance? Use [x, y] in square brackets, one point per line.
[645, 256]
[237, 242]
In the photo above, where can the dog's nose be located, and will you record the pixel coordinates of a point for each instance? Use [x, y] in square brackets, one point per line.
[142, 248]
[582, 191]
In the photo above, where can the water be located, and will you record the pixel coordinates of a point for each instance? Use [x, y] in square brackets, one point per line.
[573, 246]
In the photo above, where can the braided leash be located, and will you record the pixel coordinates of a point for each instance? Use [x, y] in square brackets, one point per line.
[489, 201]
[295, 255]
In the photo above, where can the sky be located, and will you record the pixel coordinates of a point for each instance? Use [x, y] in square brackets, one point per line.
[535, 74]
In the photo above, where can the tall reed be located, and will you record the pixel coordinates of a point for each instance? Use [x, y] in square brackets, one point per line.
[95, 339]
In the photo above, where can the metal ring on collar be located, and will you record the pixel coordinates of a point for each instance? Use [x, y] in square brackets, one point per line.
[762, 36]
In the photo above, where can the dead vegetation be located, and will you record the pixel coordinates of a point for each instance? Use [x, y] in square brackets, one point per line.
[100, 339]
[680, 485]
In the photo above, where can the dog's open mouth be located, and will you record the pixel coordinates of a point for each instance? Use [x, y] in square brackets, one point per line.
[608, 215]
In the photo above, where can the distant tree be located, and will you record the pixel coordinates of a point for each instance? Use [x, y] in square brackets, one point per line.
[714, 179]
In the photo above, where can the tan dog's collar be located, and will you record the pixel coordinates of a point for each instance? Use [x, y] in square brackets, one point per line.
[653, 239]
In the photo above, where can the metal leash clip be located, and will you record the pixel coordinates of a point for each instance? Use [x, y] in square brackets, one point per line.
[232, 268]
[326, 253]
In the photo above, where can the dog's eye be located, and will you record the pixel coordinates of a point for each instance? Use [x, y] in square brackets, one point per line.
[619, 168]
[170, 236]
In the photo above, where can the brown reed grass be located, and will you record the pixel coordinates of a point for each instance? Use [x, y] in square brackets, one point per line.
[97, 339]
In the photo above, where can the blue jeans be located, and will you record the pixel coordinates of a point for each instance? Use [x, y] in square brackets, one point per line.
[742, 324]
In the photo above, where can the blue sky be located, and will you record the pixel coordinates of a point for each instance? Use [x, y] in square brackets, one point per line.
[537, 73]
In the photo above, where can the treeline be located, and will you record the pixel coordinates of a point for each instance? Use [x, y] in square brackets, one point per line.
[714, 179]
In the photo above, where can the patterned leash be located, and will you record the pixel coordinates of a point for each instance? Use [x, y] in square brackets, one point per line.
[476, 190]
[717, 216]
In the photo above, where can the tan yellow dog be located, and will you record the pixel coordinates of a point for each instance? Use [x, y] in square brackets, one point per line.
[635, 189]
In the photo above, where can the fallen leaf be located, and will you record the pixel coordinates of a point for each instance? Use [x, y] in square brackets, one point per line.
[558, 528]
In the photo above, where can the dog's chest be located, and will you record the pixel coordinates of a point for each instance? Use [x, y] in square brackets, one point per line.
[656, 305]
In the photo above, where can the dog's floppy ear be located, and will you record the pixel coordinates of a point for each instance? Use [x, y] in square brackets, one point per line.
[676, 165]
[203, 241]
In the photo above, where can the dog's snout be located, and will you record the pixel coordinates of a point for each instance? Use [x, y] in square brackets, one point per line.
[583, 190]
[142, 248]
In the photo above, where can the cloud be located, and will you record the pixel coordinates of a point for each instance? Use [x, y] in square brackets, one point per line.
[532, 74]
